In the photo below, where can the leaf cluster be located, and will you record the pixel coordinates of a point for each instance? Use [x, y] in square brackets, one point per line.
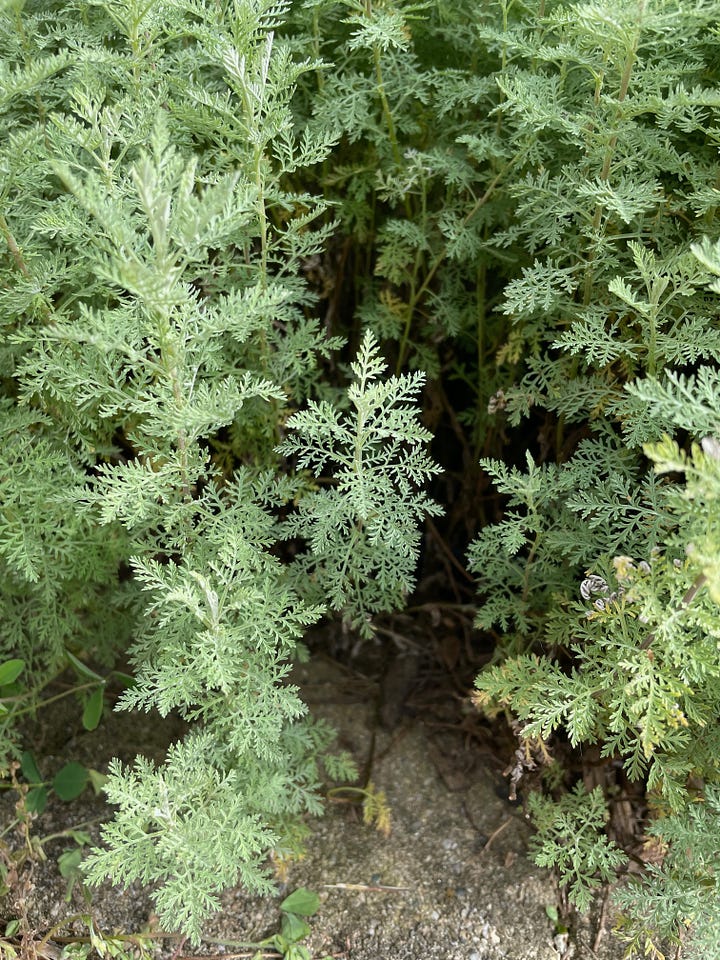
[157, 334]
[521, 200]
[362, 532]
[570, 838]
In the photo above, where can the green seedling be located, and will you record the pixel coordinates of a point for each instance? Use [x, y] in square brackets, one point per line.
[294, 928]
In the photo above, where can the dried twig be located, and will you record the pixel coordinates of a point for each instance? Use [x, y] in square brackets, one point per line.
[254, 954]
[496, 833]
[364, 887]
[602, 918]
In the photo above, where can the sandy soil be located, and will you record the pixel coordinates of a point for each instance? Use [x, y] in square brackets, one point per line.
[450, 882]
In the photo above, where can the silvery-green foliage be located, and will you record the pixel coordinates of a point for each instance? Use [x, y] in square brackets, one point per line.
[608, 203]
[681, 895]
[58, 571]
[601, 575]
[520, 198]
[559, 518]
[642, 630]
[645, 671]
[153, 314]
[612, 294]
[417, 175]
[362, 531]
[570, 838]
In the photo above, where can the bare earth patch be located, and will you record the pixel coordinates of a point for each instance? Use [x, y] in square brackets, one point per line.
[450, 882]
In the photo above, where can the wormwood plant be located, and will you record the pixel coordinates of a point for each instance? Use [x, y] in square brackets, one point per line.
[613, 292]
[416, 176]
[156, 329]
[522, 198]
[362, 532]
[595, 572]
[570, 839]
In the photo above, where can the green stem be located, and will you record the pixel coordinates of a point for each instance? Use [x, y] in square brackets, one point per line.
[30, 56]
[503, 63]
[417, 294]
[412, 298]
[652, 344]
[14, 249]
[359, 791]
[44, 703]
[169, 363]
[13, 823]
[528, 565]
[69, 831]
[480, 292]
[479, 203]
[316, 47]
[387, 113]
[630, 58]
[262, 217]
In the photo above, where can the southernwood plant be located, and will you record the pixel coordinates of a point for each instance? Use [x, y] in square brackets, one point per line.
[221, 220]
